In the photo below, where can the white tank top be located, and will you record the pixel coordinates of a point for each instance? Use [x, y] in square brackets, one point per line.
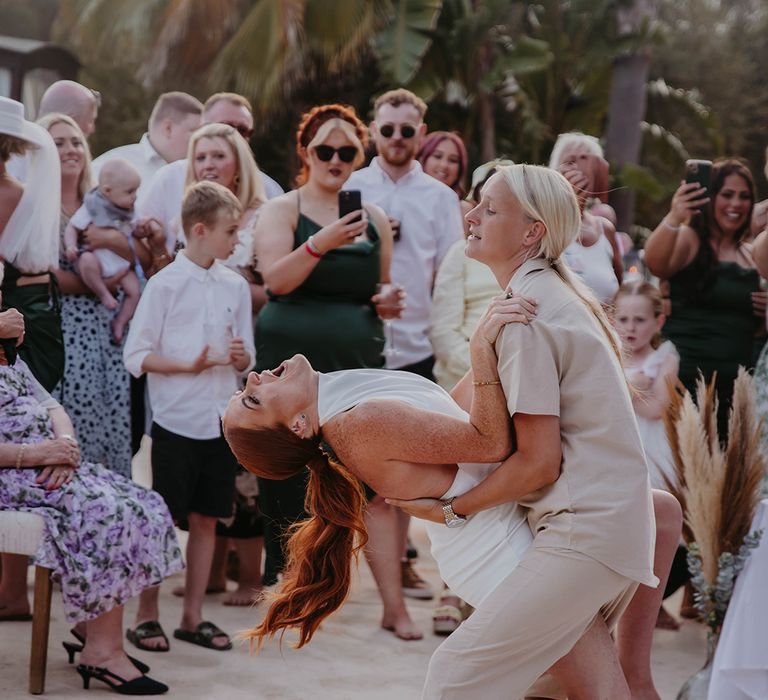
[594, 264]
[475, 558]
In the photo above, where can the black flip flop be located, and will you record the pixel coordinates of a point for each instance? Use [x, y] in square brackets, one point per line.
[147, 630]
[203, 636]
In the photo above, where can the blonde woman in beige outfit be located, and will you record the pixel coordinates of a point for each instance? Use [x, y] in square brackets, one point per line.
[578, 469]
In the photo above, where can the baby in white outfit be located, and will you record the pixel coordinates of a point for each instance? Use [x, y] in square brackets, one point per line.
[109, 205]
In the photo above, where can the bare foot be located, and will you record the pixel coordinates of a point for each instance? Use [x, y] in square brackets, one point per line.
[118, 331]
[108, 301]
[244, 595]
[403, 628]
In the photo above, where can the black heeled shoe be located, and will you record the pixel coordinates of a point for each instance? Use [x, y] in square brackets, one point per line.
[73, 649]
[143, 685]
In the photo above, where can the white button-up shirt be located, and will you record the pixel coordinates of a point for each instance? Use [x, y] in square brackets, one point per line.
[183, 308]
[430, 222]
[161, 200]
[141, 155]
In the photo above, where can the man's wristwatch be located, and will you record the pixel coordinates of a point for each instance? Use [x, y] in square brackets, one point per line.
[451, 518]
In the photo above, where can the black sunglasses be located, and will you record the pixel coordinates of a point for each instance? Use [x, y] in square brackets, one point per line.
[241, 129]
[346, 153]
[406, 130]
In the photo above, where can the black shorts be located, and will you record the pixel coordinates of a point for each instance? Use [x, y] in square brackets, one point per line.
[193, 476]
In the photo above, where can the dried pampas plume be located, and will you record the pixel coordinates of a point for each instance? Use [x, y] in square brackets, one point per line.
[718, 486]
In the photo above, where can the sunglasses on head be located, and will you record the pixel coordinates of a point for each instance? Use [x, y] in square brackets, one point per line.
[241, 129]
[406, 130]
[346, 153]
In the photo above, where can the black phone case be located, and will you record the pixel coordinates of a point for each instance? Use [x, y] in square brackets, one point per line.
[349, 201]
[699, 171]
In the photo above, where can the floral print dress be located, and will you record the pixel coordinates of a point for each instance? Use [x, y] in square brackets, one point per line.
[106, 538]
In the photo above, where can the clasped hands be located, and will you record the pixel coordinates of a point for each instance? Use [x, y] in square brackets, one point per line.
[59, 457]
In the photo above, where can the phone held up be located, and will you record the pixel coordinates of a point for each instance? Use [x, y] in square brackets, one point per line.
[699, 172]
[349, 201]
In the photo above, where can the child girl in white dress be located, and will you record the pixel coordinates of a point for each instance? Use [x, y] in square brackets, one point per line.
[649, 364]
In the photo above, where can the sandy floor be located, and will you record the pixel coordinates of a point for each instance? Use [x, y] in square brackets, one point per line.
[350, 658]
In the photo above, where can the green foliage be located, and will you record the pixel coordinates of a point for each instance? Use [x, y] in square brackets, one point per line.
[405, 38]
[508, 75]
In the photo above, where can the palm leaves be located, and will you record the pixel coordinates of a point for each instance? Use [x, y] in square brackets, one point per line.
[264, 49]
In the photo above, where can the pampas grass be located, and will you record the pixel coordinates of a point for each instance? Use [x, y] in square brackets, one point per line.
[717, 485]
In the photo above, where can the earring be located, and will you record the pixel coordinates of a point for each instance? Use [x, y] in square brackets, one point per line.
[303, 417]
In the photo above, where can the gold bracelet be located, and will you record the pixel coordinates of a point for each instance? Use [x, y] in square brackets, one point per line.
[491, 383]
[20, 454]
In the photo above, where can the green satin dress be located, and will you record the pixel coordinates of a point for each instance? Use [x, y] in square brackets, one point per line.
[329, 319]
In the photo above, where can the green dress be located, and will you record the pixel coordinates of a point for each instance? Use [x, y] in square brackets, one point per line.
[330, 320]
[43, 346]
[714, 330]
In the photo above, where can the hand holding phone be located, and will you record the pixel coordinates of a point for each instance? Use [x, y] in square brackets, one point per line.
[692, 195]
[349, 201]
[699, 173]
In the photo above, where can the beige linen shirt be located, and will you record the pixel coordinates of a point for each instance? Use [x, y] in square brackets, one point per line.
[562, 365]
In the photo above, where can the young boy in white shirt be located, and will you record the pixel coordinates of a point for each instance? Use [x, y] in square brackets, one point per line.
[192, 335]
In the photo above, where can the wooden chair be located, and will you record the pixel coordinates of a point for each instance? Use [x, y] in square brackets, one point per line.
[20, 533]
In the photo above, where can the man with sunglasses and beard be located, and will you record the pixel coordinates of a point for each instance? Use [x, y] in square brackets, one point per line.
[426, 221]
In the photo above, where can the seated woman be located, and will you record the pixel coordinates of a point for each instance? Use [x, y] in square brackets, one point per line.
[106, 539]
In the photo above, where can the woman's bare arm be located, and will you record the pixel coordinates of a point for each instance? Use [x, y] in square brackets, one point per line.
[535, 464]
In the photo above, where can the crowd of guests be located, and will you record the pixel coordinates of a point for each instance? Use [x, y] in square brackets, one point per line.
[140, 288]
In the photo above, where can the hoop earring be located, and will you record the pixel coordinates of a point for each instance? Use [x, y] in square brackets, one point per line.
[236, 181]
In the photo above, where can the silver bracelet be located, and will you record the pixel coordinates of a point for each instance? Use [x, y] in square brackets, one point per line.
[670, 226]
[313, 247]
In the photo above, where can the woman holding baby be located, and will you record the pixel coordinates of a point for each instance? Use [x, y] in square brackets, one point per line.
[94, 390]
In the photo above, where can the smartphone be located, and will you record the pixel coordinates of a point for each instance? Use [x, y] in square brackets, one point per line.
[699, 171]
[349, 201]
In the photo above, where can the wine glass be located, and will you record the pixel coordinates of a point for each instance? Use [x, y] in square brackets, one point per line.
[390, 293]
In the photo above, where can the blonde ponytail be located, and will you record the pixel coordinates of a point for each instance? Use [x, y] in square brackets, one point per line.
[546, 196]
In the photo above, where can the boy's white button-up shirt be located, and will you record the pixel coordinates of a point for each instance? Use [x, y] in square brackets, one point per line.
[430, 223]
[183, 308]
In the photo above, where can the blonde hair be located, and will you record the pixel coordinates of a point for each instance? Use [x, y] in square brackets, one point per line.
[338, 124]
[249, 187]
[641, 288]
[574, 139]
[546, 196]
[48, 121]
[204, 203]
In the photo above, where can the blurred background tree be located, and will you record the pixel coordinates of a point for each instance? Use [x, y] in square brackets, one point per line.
[508, 75]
